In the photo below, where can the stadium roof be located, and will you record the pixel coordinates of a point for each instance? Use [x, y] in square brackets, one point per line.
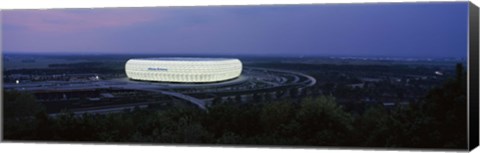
[184, 59]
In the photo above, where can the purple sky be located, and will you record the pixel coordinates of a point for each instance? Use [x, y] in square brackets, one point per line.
[406, 30]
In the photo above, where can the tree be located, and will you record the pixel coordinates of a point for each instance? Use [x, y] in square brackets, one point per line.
[279, 94]
[323, 122]
[439, 121]
[447, 106]
[373, 127]
[20, 105]
[276, 114]
[20, 111]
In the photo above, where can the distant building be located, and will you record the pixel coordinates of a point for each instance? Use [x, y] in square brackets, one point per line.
[183, 70]
[357, 85]
[438, 73]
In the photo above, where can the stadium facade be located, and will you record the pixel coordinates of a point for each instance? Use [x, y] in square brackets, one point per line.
[185, 70]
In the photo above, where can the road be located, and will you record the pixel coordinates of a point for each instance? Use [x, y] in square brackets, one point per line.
[309, 82]
[200, 103]
[105, 110]
[150, 87]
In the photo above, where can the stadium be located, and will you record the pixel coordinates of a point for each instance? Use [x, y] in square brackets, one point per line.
[183, 70]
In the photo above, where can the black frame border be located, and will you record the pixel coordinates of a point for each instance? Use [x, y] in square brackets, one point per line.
[473, 42]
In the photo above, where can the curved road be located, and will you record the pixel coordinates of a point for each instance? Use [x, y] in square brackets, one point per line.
[200, 103]
[310, 80]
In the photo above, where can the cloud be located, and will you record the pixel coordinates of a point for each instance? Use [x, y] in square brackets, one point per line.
[75, 20]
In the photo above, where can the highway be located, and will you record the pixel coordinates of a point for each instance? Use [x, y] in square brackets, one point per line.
[105, 110]
[200, 103]
[157, 88]
[309, 82]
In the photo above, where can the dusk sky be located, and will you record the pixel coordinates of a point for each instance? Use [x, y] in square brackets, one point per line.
[396, 30]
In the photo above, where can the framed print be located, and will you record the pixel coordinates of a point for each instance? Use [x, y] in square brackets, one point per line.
[359, 75]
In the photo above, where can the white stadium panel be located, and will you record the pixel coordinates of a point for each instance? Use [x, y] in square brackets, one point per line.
[189, 70]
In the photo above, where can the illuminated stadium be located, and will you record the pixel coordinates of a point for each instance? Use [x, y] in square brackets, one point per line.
[183, 70]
